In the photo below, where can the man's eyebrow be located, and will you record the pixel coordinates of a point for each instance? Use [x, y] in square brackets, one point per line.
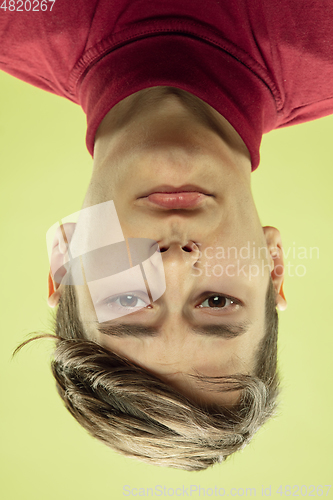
[227, 331]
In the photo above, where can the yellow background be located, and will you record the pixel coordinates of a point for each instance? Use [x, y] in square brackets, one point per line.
[45, 454]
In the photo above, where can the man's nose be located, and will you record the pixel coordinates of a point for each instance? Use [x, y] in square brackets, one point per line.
[178, 259]
[185, 252]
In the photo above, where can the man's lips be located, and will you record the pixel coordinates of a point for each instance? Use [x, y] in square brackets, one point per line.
[187, 199]
[170, 197]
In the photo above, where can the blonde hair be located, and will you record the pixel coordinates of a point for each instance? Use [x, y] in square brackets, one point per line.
[138, 415]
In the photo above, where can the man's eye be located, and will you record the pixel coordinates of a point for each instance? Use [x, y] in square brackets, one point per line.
[219, 302]
[130, 301]
[127, 301]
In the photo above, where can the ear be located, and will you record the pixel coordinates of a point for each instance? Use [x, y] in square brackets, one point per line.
[274, 245]
[62, 238]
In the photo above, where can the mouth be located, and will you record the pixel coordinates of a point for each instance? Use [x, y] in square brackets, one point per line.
[172, 189]
[172, 201]
[173, 198]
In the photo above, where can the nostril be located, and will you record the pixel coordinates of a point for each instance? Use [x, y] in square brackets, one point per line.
[189, 247]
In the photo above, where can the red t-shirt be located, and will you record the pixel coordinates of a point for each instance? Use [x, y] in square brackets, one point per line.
[262, 64]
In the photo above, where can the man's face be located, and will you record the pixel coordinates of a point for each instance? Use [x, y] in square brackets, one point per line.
[215, 257]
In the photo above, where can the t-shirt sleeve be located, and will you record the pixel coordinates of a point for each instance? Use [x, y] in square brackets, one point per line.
[296, 40]
[41, 47]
